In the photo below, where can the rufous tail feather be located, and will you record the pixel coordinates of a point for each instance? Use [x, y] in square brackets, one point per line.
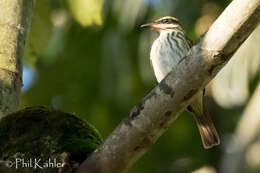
[208, 132]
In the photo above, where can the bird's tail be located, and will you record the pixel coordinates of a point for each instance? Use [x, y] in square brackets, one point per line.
[208, 132]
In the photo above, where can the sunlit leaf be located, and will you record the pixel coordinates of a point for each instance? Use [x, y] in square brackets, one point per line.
[86, 12]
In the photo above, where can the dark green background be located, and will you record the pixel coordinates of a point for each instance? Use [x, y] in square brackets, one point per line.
[99, 72]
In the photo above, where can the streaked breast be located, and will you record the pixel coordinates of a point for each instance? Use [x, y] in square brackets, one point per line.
[167, 50]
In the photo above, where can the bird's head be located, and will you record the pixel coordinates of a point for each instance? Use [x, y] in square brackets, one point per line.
[164, 23]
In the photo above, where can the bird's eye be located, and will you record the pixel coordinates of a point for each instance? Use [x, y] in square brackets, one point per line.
[166, 21]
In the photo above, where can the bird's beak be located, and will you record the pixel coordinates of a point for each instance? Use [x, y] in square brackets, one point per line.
[153, 26]
[148, 25]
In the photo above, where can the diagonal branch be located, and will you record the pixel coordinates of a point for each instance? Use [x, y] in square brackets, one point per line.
[153, 115]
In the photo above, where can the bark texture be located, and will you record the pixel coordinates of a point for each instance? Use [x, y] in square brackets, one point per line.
[15, 19]
[153, 115]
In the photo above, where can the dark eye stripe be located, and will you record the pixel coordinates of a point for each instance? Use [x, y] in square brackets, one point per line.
[168, 21]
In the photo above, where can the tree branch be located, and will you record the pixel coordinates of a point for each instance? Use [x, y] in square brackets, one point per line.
[153, 115]
[15, 18]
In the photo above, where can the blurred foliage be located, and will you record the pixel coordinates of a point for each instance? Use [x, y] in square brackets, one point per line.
[92, 59]
[41, 31]
[86, 12]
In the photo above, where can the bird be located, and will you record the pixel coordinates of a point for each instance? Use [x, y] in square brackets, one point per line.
[170, 47]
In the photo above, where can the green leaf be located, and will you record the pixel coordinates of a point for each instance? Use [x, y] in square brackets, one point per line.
[86, 12]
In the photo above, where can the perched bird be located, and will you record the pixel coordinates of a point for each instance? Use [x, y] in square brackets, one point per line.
[167, 51]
